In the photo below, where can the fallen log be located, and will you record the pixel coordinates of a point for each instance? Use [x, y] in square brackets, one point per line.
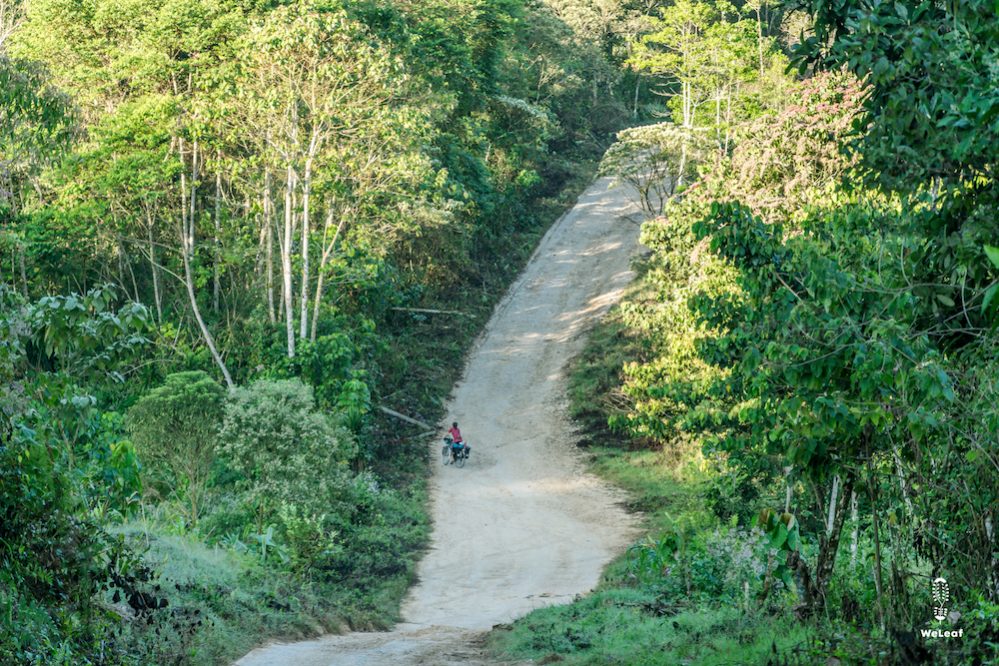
[407, 419]
[429, 311]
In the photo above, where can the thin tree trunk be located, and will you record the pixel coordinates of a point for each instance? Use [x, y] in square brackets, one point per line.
[728, 117]
[324, 258]
[217, 254]
[718, 116]
[830, 545]
[855, 531]
[131, 272]
[759, 35]
[831, 514]
[686, 104]
[814, 588]
[24, 271]
[289, 314]
[876, 525]
[154, 269]
[789, 490]
[192, 216]
[187, 249]
[683, 164]
[303, 328]
[121, 269]
[638, 83]
[902, 481]
[269, 226]
[209, 340]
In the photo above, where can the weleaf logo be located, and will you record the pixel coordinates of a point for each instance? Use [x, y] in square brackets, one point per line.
[941, 595]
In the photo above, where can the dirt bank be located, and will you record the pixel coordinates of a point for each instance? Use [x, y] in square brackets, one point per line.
[522, 525]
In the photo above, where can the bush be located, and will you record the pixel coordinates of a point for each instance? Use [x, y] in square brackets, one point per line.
[708, 567]
[55, 560]
[291, 461]
[176, 426]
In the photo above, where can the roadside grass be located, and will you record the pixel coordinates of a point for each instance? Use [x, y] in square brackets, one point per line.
[627, 626]
[630, 619]
[234, 599]
[221, 602]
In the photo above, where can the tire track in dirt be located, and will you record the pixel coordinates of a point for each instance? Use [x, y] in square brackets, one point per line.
[522, 525]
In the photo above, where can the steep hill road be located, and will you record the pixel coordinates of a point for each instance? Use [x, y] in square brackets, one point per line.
[522, 525]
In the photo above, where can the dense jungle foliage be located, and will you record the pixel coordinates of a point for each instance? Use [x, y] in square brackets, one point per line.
[804, 377]
[229, 232]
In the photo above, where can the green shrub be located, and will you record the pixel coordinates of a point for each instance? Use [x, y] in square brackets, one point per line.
[175, 426]
[311, 541]
[55, 559]
[291, 462]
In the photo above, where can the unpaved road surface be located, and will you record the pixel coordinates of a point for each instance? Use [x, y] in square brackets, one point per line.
[522, 525]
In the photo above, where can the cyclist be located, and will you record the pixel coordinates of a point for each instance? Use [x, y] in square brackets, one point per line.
[457, 443]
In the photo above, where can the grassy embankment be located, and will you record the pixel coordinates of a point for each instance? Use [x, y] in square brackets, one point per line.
[222, 602]
[680, 614]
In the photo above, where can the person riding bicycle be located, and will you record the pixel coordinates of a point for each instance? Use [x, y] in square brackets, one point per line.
[457, 443]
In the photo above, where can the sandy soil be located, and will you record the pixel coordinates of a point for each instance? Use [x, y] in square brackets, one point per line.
[522, 525]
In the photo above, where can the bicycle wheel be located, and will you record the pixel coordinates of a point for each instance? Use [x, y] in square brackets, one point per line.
[460, 459]
[446, 454]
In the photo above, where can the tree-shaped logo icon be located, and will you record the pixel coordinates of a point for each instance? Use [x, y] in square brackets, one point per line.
[941, 594]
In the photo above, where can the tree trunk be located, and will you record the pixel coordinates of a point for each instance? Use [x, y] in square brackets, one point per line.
[323, 259]
[876, 526]
[683, 163]
[24, 270]
[815, 587]
[216, 243]
[718, 121]
[192, 219]
[269, 231]
[759, 35]
[831, 515]
[789, 490]
[303, 327]
[187, 249]
[903, 483]
[855, 529]
[131, 272]
[638, 83]
[728, 117]
[289, 314]
[154, 269]
[827, 552]
[687, 119]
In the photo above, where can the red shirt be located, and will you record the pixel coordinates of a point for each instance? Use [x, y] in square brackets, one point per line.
[455, 434]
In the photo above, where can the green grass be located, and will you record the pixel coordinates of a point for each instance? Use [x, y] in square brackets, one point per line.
[666, 494]
[628, 626]
[221, 603]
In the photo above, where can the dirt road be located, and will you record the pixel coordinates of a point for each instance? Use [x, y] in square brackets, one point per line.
[522, 525]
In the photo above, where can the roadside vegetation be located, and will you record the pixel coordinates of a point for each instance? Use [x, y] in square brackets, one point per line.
[799, 390]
